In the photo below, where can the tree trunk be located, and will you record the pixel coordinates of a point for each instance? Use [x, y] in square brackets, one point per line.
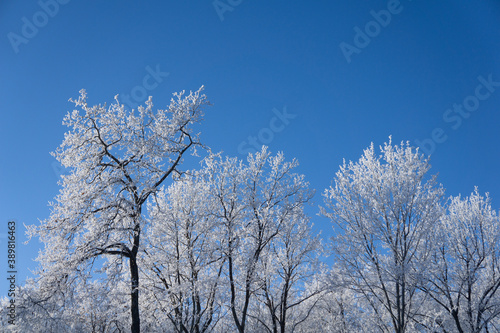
[454, 314]
[134, 295]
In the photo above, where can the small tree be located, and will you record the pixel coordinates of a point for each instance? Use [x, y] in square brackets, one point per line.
[384, 210]
[117, 158]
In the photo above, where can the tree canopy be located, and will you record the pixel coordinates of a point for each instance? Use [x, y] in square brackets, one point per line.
[134, 242]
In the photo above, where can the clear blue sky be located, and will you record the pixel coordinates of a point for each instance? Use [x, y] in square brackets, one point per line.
[341, 88]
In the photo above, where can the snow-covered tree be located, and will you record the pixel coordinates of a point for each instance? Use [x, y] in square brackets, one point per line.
[183, 258]
[255, 202]
[117, 159]
[94, 307]
[286, 276]
[338, 310]
[463, 275]
[384, 209]
[34, 313]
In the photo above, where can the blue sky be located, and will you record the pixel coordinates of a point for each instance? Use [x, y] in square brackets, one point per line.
[297, 76]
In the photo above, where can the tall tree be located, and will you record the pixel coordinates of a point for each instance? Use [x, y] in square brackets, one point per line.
[117, 158]
[183, 258]
[463, 276]
[384, 209]
[286, 275]
[255, 202]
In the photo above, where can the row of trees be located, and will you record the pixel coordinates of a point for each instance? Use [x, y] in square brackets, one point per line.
[136, 243]
[419, 264]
